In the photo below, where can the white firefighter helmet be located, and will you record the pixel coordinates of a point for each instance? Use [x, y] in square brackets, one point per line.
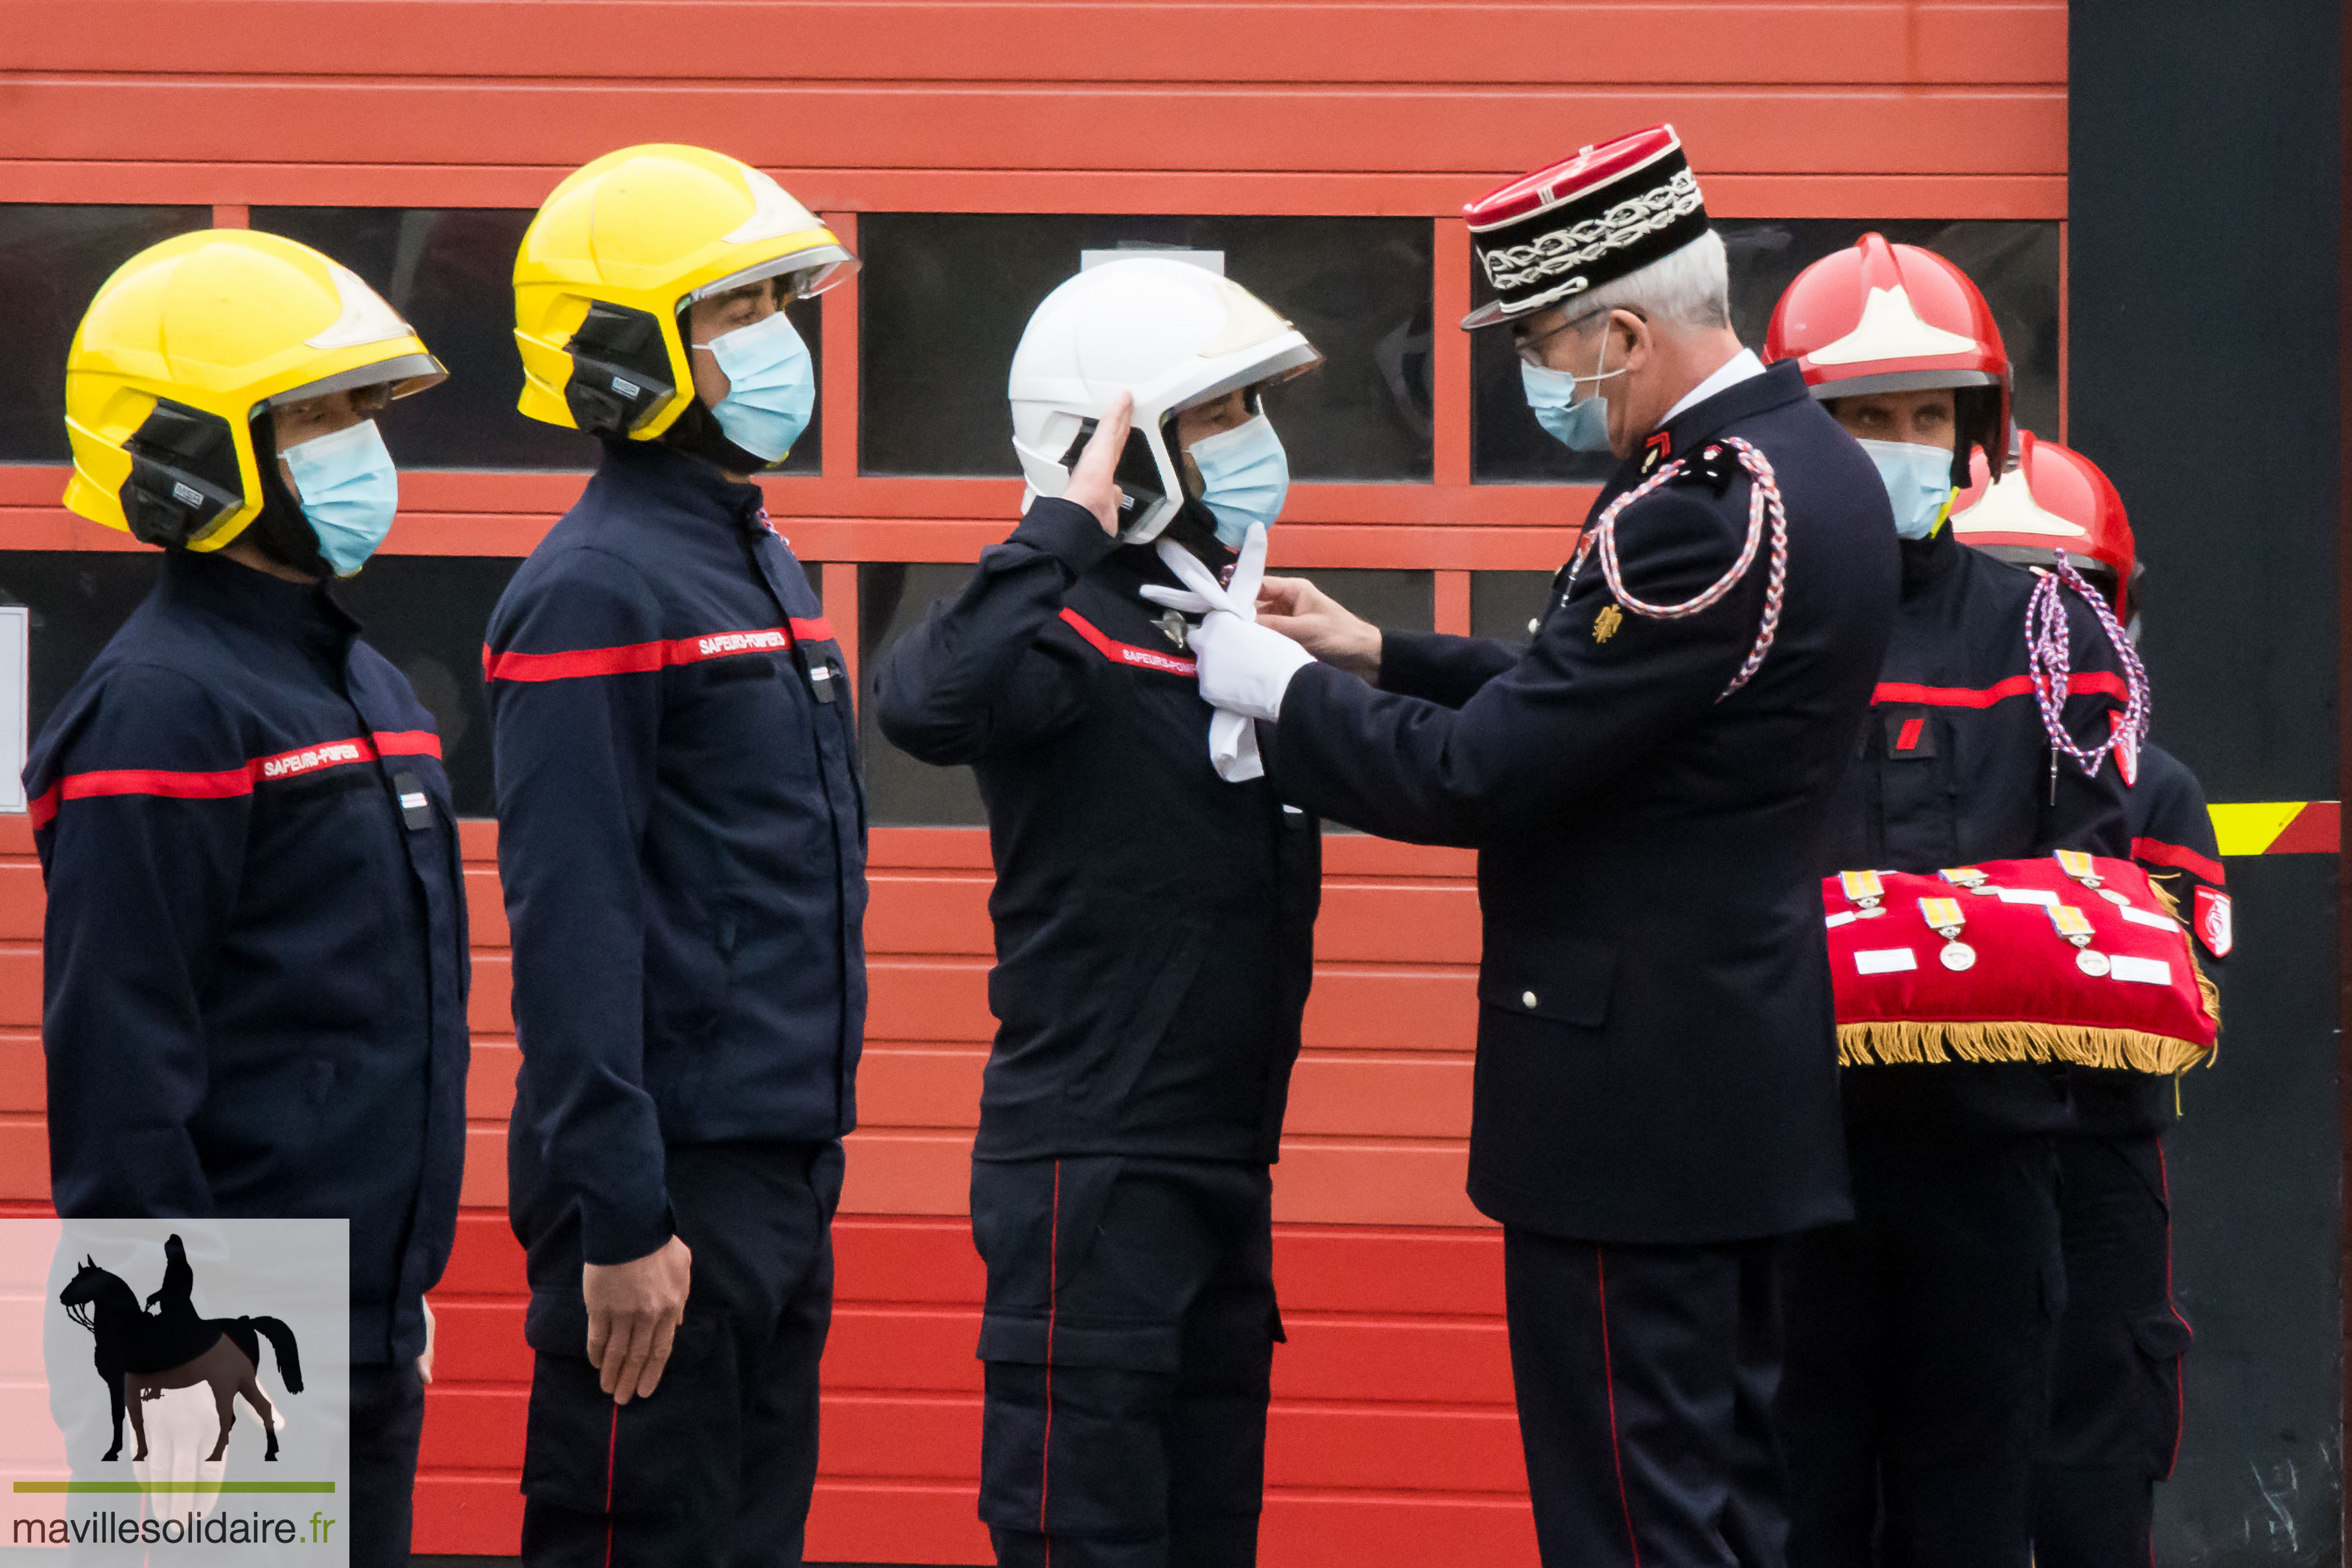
[1168, 333]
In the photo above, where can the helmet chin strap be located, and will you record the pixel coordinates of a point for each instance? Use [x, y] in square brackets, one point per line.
[696, 433]
[281, 532]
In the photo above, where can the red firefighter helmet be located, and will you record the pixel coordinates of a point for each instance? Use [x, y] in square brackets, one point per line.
[2052, 498]
[1883, 317]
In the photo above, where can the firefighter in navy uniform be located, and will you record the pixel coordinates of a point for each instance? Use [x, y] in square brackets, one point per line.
[682, 838]
[2116, 1406]
[1655, 1105]
[1921, 1335]
[255, 958]
[1154, 929]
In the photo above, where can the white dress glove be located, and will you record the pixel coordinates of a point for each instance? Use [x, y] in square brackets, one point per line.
[1232, 739]
[1245, 667]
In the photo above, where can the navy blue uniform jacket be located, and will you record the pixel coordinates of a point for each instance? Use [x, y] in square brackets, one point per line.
[1154, 923]
[682, 840]
[1954, 769]
[2173, 840]
[1657, 1057]
[254, 961]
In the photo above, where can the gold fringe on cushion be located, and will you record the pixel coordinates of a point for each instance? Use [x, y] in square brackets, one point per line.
[2206, 988]
[1895, 1041]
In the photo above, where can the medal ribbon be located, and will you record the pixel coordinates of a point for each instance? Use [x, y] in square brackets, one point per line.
[1944, 917]
[1863, 886]
[2071, 922]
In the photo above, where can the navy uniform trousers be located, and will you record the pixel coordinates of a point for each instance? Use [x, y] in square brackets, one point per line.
[716, 1467]
[1128, 1340]
[2115, 1405]
[1922, 1336]
[1625, 1359]
[387, 1424]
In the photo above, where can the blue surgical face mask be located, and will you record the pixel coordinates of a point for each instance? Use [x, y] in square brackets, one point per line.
[1580, 425]
[770, 386]
[349, 492]
[1245, 474]
[1919, 481]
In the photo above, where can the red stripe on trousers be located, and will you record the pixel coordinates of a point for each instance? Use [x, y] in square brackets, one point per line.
[1053, 1305]
[611, 1456]
[2181, 1368]
[1609, 1381]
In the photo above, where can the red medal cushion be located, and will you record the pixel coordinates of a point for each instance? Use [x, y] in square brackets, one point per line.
[2028, 995]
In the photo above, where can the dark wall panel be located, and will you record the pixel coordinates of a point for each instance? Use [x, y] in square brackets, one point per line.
[2204, 280]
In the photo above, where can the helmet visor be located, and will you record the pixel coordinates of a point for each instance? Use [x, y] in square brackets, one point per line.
[808, 273]
[403, 376]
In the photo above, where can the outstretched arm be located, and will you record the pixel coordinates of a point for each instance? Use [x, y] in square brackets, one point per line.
[1580, 706]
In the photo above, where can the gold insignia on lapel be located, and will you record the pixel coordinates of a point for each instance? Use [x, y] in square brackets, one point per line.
[1174, 627]
[1605, 624]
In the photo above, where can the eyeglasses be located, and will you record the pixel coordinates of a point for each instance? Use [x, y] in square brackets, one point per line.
[1530, 349]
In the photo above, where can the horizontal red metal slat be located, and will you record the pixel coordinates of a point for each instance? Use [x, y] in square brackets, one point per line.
[1910, 130]
[1828, 44]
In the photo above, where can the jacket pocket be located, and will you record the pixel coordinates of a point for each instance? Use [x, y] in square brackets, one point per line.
[1547, 975]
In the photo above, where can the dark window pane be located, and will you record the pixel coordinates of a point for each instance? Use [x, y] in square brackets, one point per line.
[1396, 600]
[450, 270]
[426, 614]
[944, 297]
[2014, 263]
[900, 792]
[78, 599]
[52, 260]
[1508, 604]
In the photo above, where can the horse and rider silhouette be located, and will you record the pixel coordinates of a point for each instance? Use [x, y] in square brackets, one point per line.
[141, 1353]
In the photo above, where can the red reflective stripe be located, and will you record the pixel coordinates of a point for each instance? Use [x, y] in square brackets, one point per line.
[1608, 1383]
[2185, 858]
[2098, 683]
[1910, 738]
[1119, 653]
[230, 782]
[641, 658]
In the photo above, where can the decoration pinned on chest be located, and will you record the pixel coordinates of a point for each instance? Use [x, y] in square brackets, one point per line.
[1233, 738]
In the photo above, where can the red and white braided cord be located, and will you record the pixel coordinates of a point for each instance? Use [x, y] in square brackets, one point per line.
[1763, 501]
[2049, 658]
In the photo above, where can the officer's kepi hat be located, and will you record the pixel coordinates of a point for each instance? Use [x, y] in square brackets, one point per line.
[1613, 208]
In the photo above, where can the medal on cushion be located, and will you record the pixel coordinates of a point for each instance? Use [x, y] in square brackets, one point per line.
[2075, 926]
[1967, 876]
[1944, 917]
[1865, 890]
[2083, 869]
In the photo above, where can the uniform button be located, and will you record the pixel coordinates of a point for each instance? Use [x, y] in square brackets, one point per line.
[1527, 998]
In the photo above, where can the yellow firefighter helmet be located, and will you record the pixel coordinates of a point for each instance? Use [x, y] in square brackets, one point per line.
[187, 344]
[619, 250]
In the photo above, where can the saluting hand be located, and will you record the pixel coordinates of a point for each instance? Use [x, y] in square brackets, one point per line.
[1091, 485]
[634, 1311]
[1321, 624]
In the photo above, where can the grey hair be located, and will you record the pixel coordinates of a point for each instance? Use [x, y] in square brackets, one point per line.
[1691, 287]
